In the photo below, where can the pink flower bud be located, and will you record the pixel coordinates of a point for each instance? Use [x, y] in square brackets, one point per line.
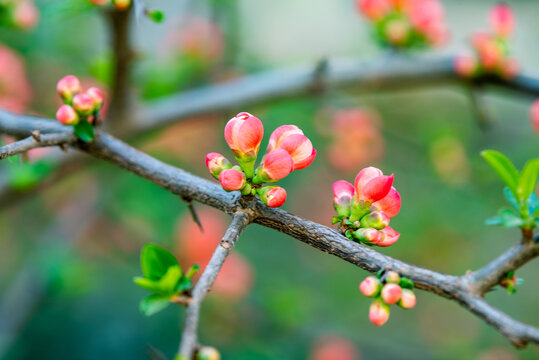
[378, 313]
[391, 293]
[243, 134]
[425, 14]
[343, 192]
[534, 116]
[392, 277]
[272, 196]
[390, 204]
[25, 15]
[376, 219]
[390, 237]
[280, 134]
[374, 9]
[276, 165]
[407, 300]
[216, 163]
[300, 148]
[67, 87]
[121, 4]
[84, 104]
[465, 65]
[368, 235]
[67, 115]
[232, 180]
[99, 2]
[502, 19]
[371, 185]
[97, 96]
[370, 286]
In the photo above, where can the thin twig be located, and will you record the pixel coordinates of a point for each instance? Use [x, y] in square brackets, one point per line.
[35, 141]
[189, 340]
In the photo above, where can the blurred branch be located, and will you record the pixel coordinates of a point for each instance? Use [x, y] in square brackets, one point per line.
[120, 106]
[189, 340]
[36, 141]
[388, 73]
[466, 289]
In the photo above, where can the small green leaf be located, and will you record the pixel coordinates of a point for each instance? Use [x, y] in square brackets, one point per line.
[147, 284]
[153, 304]
[493, 221]
[155, 261]
[192, 271]
[509, 219]
[511, 198]
[167, 285]
[503, 167]
[156, 15]
[406, 283]
[528, 179]
[84, 131]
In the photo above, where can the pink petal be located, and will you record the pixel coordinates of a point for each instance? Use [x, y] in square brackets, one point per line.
[377, 188]
[364, 176]
[390, 204]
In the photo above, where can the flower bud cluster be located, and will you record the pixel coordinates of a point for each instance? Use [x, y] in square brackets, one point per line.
[288, 150]
[387, 288]
[78, 106]
[118, 4]
[21, 14]
[491, 55]
[407, 23]
[365, 208]
[510, 282]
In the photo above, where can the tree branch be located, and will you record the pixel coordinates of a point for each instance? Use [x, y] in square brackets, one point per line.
[463, 289]
[37, 141]
[189, 340]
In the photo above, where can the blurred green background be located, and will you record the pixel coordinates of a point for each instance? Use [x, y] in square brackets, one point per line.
[78, 242]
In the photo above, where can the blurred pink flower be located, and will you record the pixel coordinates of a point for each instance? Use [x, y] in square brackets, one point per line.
[15, 89]
[198, 38]
[25, 14]
[194, 246]
[334, 347]
[358, 140]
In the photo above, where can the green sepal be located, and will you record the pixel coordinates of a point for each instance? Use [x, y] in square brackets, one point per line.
[380, 273]
[84, 131]
[406, 283]
[359, 210]
[184, 284]
[336, 220]
[152, 304]
[247, 165]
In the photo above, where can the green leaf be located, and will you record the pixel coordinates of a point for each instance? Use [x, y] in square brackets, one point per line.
[511, 198]
[185, 284]
[153, 304]
[503, 167]
[156, 15]
[167, 285]
[509, 218]
[155, 261]
[192, 271]
[406, 283]
[528, 179]
[84, 131]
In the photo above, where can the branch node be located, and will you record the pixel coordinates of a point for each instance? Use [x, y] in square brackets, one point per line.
[36, 135]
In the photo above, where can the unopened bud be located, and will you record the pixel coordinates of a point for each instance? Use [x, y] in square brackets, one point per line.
[407, 300]
[368, 235]
[67, 115]
[208, 353]
[232, 180]
[378, 313]
[67, 87]
[121, 4]
[392, 277]
[272, 196]
[391, 293]
[97, 96]
[216, 163]
[83, 104]
[370, 286]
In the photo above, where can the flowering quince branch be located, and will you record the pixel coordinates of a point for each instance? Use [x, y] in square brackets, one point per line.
[468, 289]
[33, 142]
[189, 342]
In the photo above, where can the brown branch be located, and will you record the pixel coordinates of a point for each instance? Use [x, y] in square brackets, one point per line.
[463, 289]
[37, 141]
[189, 340]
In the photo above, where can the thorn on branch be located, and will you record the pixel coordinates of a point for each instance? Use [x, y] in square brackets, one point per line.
[36, 135]
[193, 212]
